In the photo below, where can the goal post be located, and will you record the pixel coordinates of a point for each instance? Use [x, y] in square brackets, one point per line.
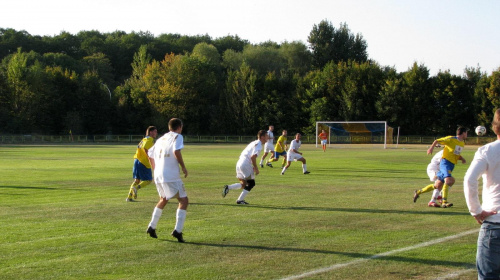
[355, 132]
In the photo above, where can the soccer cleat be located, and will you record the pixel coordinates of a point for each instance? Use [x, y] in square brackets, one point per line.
[152, 232]
[135, 192]
[225, 191]
[433, 204]
[269, 164]
[415, 196]
[241, 202]
[447, 205]
[178, 235]
[282, 173]
[129, 200]
[307, 172]
[261, 165]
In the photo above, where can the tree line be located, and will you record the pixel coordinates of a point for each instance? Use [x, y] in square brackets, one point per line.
[120, 83]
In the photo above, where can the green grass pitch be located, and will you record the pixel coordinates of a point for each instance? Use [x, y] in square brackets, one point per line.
[64, 216]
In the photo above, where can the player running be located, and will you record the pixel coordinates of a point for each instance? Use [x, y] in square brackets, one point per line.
[280, 149]
[246, 168]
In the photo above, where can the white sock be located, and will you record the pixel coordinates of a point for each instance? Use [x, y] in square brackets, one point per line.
[180, 219]
[283, 171]
[242, 195]
[435, 195]
[304, 168]
[155, 218]
[261, 160]
[234, 186]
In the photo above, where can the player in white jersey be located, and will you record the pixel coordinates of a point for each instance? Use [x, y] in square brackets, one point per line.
[294, 155]
[165, 157]
[432, 170]
[246, 168]
[268, 148]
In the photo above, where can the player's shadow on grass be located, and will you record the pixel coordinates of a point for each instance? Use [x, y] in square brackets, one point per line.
[354, 256]
[445, 212]
[28, 188]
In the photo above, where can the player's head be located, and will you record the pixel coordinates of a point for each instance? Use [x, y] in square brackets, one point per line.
[462, 131]
[284, 132]
[271, 127]
[495, 125]
[174, 124]
[262, 136]
[151, 130]
[297, 136]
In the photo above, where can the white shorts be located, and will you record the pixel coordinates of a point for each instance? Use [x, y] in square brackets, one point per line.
[293, 157]
[268, 147]
[432, 171]
[323, 142]
[244, 170]
[171, 189]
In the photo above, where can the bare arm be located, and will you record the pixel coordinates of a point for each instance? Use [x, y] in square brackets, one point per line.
[178, 156]
[429, 151]
[254, 163]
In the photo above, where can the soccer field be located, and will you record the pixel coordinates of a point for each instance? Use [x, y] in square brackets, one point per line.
[64, 216]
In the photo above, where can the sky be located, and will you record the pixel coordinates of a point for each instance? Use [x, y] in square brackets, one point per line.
[442, 35]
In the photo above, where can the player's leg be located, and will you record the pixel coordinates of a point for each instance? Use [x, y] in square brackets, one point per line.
[263, 157]
[180, 216]
[156, 217]
[286, 167]
[270, 159]
[304, 166]
[448, 182]
[250, 183]
[132, 193]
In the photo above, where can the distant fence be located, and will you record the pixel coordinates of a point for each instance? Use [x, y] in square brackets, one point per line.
[133, 139]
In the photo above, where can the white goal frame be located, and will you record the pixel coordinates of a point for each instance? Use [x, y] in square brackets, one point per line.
[348, 122]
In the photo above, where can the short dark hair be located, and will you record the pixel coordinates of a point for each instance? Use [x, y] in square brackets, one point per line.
[461, 129]
[495, 124]
[174, 124]
[149, 129]
[261, 133]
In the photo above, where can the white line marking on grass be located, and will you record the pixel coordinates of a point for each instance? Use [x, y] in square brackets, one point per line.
[357, 261]
[455, 274]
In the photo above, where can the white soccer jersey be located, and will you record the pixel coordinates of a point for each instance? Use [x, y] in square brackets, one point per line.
[251, 149]
[433, 167]
[294, 145]
[270, 142]
[166, 164]
[271, 137]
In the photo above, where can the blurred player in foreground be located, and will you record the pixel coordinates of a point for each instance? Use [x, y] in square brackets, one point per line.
[486, 164]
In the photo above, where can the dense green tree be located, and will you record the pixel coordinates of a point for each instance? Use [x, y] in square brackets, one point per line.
[337, 45]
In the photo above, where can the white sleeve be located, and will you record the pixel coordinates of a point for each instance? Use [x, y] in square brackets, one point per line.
[179, 142]
[478, 166]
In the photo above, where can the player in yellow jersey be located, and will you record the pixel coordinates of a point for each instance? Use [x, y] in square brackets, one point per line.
[280, 149]
[142, 167]
[453, 146]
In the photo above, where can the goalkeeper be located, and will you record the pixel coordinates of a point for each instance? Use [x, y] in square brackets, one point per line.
[280, 149]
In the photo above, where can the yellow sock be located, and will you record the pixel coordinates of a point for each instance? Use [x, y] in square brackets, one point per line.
[131, 191]
[445, 192]
[143, 184]
[427, 188]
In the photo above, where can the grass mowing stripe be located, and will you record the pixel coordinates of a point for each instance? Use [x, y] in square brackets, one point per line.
[341, 265]
[456, 274]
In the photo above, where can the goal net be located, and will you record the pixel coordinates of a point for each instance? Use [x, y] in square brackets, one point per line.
[355, 132]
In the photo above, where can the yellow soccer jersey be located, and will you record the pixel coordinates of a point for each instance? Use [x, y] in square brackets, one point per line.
[146, 143]
[453, 148]
[277, 147]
